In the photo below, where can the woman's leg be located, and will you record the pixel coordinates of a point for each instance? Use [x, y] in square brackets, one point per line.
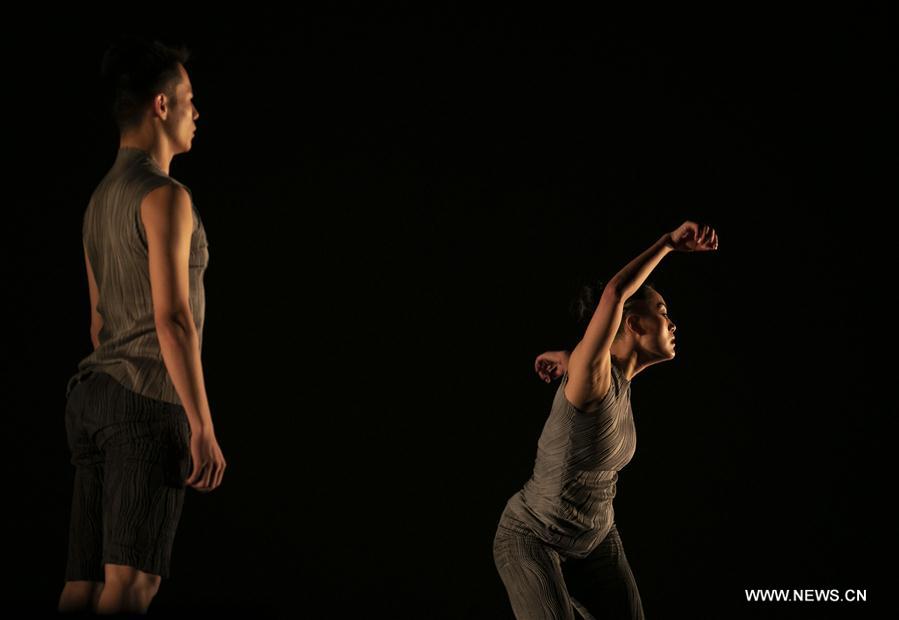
[532, 575]
[603, 584]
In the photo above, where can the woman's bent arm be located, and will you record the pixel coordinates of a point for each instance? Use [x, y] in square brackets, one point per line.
[591, 355]
[589, 367]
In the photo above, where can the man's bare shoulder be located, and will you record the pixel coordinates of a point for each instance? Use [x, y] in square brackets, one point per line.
[169, 195]
[166, 201]
[167, 208]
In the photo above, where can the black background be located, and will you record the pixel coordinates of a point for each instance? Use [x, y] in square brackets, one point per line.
[398, 205]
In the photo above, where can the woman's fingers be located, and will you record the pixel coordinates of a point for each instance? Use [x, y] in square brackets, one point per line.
[707, 239]
[548, 370]
[697, 235]
[545, 369]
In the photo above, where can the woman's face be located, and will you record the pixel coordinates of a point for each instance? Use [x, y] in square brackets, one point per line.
[657, 339]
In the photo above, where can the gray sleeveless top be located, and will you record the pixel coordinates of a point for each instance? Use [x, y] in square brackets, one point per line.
[116, 243]
[567, 502]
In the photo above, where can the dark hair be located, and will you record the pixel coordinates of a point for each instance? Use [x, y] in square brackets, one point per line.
[589, 291]
[134, 70]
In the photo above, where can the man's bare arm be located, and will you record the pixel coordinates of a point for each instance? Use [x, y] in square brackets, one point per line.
[167, 216]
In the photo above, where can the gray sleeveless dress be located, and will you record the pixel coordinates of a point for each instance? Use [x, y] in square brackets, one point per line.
[567, 503]
[557, 548]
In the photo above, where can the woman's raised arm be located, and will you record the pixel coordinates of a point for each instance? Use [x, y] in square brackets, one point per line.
[589, 367]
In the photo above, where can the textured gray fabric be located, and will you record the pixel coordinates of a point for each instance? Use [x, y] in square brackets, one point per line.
[557, 547]
[542, 584]
[116, 243]
[132, 457]
[567, 503]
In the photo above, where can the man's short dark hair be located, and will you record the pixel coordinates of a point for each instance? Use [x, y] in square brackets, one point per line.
[134, 70]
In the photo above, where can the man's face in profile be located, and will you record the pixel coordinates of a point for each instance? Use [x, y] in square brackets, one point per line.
[181, 121]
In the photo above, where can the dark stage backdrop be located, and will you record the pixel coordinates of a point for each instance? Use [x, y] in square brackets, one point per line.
[398, 207]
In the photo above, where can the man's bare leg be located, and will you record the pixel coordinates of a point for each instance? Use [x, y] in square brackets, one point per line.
[127, 590]
[80, 596]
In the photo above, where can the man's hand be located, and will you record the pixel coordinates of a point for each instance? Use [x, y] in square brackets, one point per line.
[209, 463]
[551, 364]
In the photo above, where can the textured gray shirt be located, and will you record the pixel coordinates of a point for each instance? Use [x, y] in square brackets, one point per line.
[567, 502]
[116, 244]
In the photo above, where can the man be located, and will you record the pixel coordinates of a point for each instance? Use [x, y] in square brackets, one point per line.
[137, 415]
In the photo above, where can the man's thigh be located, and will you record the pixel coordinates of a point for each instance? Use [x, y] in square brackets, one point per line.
[146, 447]
[85, 540]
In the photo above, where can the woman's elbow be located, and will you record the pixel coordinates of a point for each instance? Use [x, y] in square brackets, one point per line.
[614, 289]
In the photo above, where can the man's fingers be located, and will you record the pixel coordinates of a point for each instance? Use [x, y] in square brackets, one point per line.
[221, 474]
[214, 481]
[193, 474]
[196, 479]
[207, 478]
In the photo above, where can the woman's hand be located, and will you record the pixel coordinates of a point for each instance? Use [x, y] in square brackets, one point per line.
[693, 237]
[551, 364]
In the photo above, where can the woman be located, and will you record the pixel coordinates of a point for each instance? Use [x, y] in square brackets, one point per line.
[556, 547]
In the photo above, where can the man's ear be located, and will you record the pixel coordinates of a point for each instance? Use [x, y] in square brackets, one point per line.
[161, 105]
